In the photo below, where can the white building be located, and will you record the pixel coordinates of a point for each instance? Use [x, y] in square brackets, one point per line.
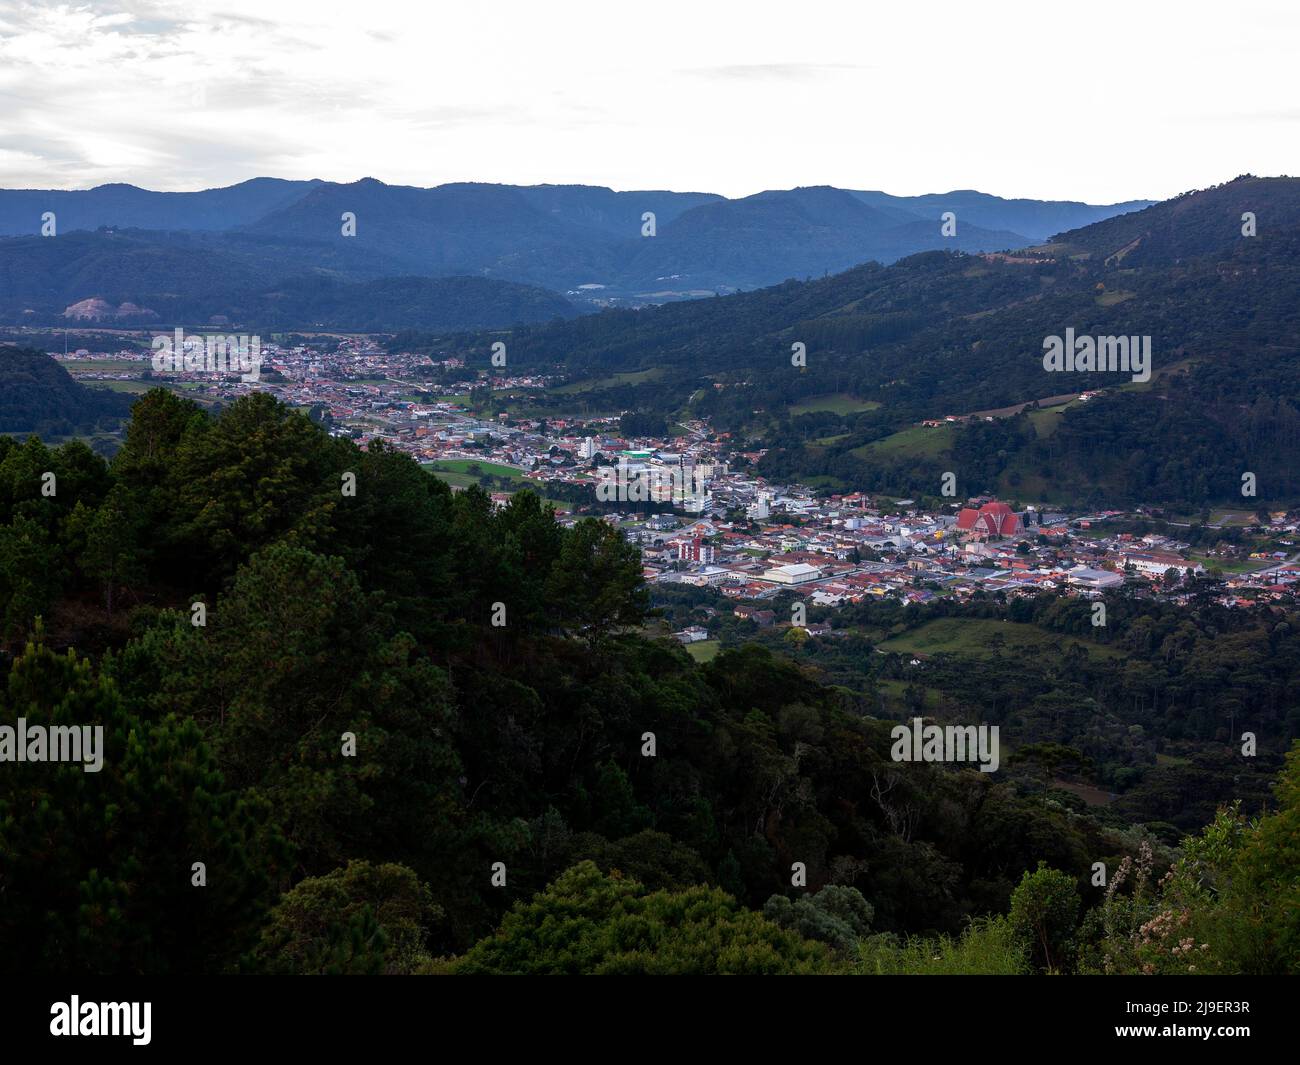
[1152, 564]
[1094, 579]
[693, 634]
[798, 573]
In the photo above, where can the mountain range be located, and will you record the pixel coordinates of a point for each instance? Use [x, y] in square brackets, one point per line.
[147, 257]
[1212, 278]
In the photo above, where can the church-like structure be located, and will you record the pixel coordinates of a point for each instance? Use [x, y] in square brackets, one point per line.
[992, 521]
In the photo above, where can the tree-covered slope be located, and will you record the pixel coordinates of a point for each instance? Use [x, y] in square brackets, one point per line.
[1193, 224]
[37, 395]
[143, 279]
[941, 334]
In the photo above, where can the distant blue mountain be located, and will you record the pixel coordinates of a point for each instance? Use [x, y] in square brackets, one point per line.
[591, 243]
[131, 207]
[1036, 219]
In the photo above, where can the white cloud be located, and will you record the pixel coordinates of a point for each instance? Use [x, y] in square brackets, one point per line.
[1018, 98]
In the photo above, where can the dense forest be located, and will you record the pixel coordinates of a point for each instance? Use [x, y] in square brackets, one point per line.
[356, 722]
[1145, 706]
[37, 395]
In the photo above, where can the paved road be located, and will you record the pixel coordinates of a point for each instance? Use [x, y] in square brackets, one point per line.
[1279, 565]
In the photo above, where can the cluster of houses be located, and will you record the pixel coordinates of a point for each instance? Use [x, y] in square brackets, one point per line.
[709, 520]
[848, 552]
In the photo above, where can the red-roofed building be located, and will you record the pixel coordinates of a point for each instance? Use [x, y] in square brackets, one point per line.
[694, 550]
[990, 521]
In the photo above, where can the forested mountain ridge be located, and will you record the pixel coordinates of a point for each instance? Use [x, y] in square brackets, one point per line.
[1036, 219]
[139, 278]
[1193, 224]
[943, 333]
[648, 245]
[127, 206]
[616, 213]
[771, 236]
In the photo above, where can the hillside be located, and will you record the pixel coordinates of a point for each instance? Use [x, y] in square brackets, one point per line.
[142, 279]
[391, 303]
[772, 236]
[940, 334]
[1196, 223]
[614, 213]
[1036, 219]
[37, 395]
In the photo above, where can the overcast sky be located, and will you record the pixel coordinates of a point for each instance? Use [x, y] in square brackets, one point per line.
[1099, 101]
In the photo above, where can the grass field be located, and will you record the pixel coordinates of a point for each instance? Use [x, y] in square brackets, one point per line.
[916, 441]
[108, 365]
[456, 471]
[825, 480]
[1044, 403]
[462, 479]
[704, 651]
[139, 388]
[1036, 487]
[1181, 366]
[1046, 421]
[1232, 517]
[834, 402]
[973, 636]
[1233, 565]
[595, 384]
[456, 480]
[892, 691]
[494, 468]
